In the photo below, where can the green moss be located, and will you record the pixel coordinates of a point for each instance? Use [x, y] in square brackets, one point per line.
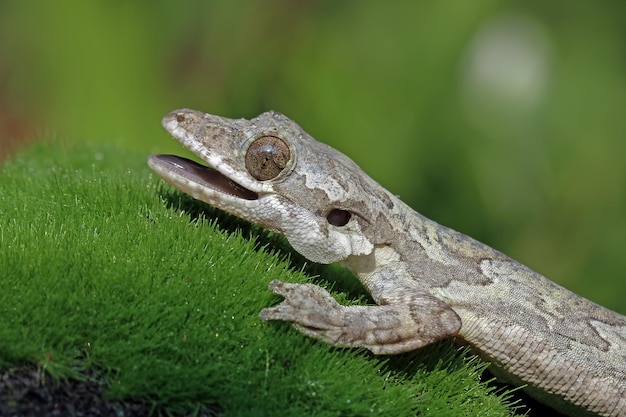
[106, 268]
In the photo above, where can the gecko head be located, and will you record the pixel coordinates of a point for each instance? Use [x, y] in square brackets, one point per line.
[268, 171]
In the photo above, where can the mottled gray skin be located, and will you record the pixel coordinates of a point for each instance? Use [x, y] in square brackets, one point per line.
[429, 282]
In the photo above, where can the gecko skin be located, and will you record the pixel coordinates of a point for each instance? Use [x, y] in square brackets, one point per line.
[429, 282]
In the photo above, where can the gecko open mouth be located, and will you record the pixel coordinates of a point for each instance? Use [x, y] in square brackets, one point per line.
[204, 175]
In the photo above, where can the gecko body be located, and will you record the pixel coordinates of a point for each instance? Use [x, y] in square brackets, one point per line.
[429, 282]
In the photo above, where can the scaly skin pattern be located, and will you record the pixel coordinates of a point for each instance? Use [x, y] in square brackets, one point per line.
[429, 282]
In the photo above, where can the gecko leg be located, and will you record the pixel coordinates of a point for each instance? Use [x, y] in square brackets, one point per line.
[385, 329]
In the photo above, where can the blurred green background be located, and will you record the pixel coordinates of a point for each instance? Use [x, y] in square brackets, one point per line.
[504, 120]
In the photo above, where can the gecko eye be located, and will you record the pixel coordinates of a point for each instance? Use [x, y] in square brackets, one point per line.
[338, 217]
[266, 157]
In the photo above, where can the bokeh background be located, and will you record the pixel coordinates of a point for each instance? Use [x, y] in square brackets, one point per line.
[504, 120]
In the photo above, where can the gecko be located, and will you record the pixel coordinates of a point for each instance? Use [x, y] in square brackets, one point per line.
[428, 281]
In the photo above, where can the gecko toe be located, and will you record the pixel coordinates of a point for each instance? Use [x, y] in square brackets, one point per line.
[282, 311]
[277, 286]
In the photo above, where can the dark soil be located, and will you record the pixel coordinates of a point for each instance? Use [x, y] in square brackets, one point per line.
[29, 391]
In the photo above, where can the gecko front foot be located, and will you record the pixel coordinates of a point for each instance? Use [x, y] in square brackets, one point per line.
[308, 306]
[386, 329]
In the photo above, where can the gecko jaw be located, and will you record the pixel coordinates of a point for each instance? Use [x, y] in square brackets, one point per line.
[191, 177]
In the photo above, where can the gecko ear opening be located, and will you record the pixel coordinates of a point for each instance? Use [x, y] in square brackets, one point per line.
[338, 217]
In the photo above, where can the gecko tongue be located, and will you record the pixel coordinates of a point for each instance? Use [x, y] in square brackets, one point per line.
[203, 175]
